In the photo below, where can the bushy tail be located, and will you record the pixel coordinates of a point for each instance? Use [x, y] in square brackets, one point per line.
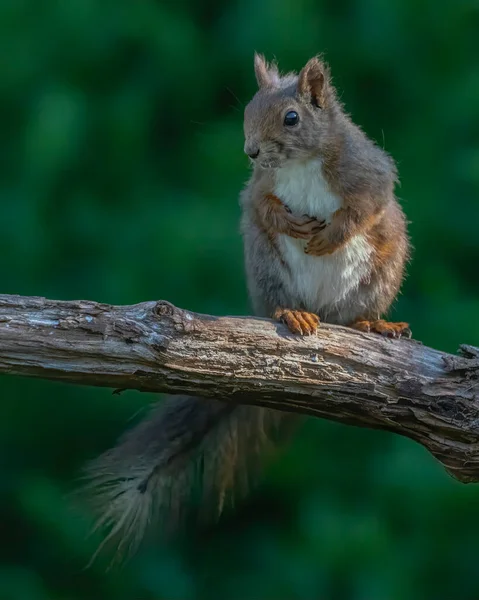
[189, 448]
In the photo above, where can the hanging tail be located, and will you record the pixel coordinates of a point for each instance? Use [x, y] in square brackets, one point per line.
[188, 449]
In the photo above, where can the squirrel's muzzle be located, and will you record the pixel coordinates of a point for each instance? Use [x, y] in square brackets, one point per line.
[251, 149]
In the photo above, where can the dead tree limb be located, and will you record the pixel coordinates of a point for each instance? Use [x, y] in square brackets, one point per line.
[340, 374]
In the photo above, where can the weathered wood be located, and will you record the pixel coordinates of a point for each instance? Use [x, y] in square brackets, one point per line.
[340, 374]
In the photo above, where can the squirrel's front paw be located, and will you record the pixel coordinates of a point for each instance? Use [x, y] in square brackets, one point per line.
[298, 321]
[320, 245]
[278, 218]
[304, 227]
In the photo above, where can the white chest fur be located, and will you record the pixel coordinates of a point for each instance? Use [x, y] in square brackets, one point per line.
[319, 283]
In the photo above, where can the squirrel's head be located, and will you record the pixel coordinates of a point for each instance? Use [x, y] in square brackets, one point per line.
[289, 117]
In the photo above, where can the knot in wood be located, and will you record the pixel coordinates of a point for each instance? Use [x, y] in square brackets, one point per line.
[164, 309]
[182, 320]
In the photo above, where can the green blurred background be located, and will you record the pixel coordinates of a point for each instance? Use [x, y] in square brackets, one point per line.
[121, 163]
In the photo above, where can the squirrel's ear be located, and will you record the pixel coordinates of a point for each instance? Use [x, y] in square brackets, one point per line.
[313, 82]
[266, 75]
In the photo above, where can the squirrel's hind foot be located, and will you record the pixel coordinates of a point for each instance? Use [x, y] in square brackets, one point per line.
[384, 328]
[298, 321]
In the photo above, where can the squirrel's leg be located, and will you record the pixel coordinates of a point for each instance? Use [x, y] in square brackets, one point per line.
[384, 328]
[297, 321]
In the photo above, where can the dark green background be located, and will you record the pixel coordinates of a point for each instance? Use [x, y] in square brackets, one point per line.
[121, 163]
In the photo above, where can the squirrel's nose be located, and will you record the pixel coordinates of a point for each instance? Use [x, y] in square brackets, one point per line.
[251, 150]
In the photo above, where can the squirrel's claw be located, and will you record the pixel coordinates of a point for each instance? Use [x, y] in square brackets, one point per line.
[384, 328]
[319, 246]
[298, 321]
[304, 227]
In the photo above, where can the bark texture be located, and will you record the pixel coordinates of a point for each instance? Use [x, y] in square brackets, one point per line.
[340, 374]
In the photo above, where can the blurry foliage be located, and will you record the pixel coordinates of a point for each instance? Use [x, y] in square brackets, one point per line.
[121, 163]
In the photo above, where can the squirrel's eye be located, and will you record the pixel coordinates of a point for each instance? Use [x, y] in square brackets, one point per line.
[291, 118]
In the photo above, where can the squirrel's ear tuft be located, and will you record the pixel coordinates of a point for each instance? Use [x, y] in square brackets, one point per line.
[313, 82]
[266, 75]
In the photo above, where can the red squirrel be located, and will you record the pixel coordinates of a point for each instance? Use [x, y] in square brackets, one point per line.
[324, 238]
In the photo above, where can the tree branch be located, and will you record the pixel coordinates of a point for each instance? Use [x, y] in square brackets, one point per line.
[340, 374]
